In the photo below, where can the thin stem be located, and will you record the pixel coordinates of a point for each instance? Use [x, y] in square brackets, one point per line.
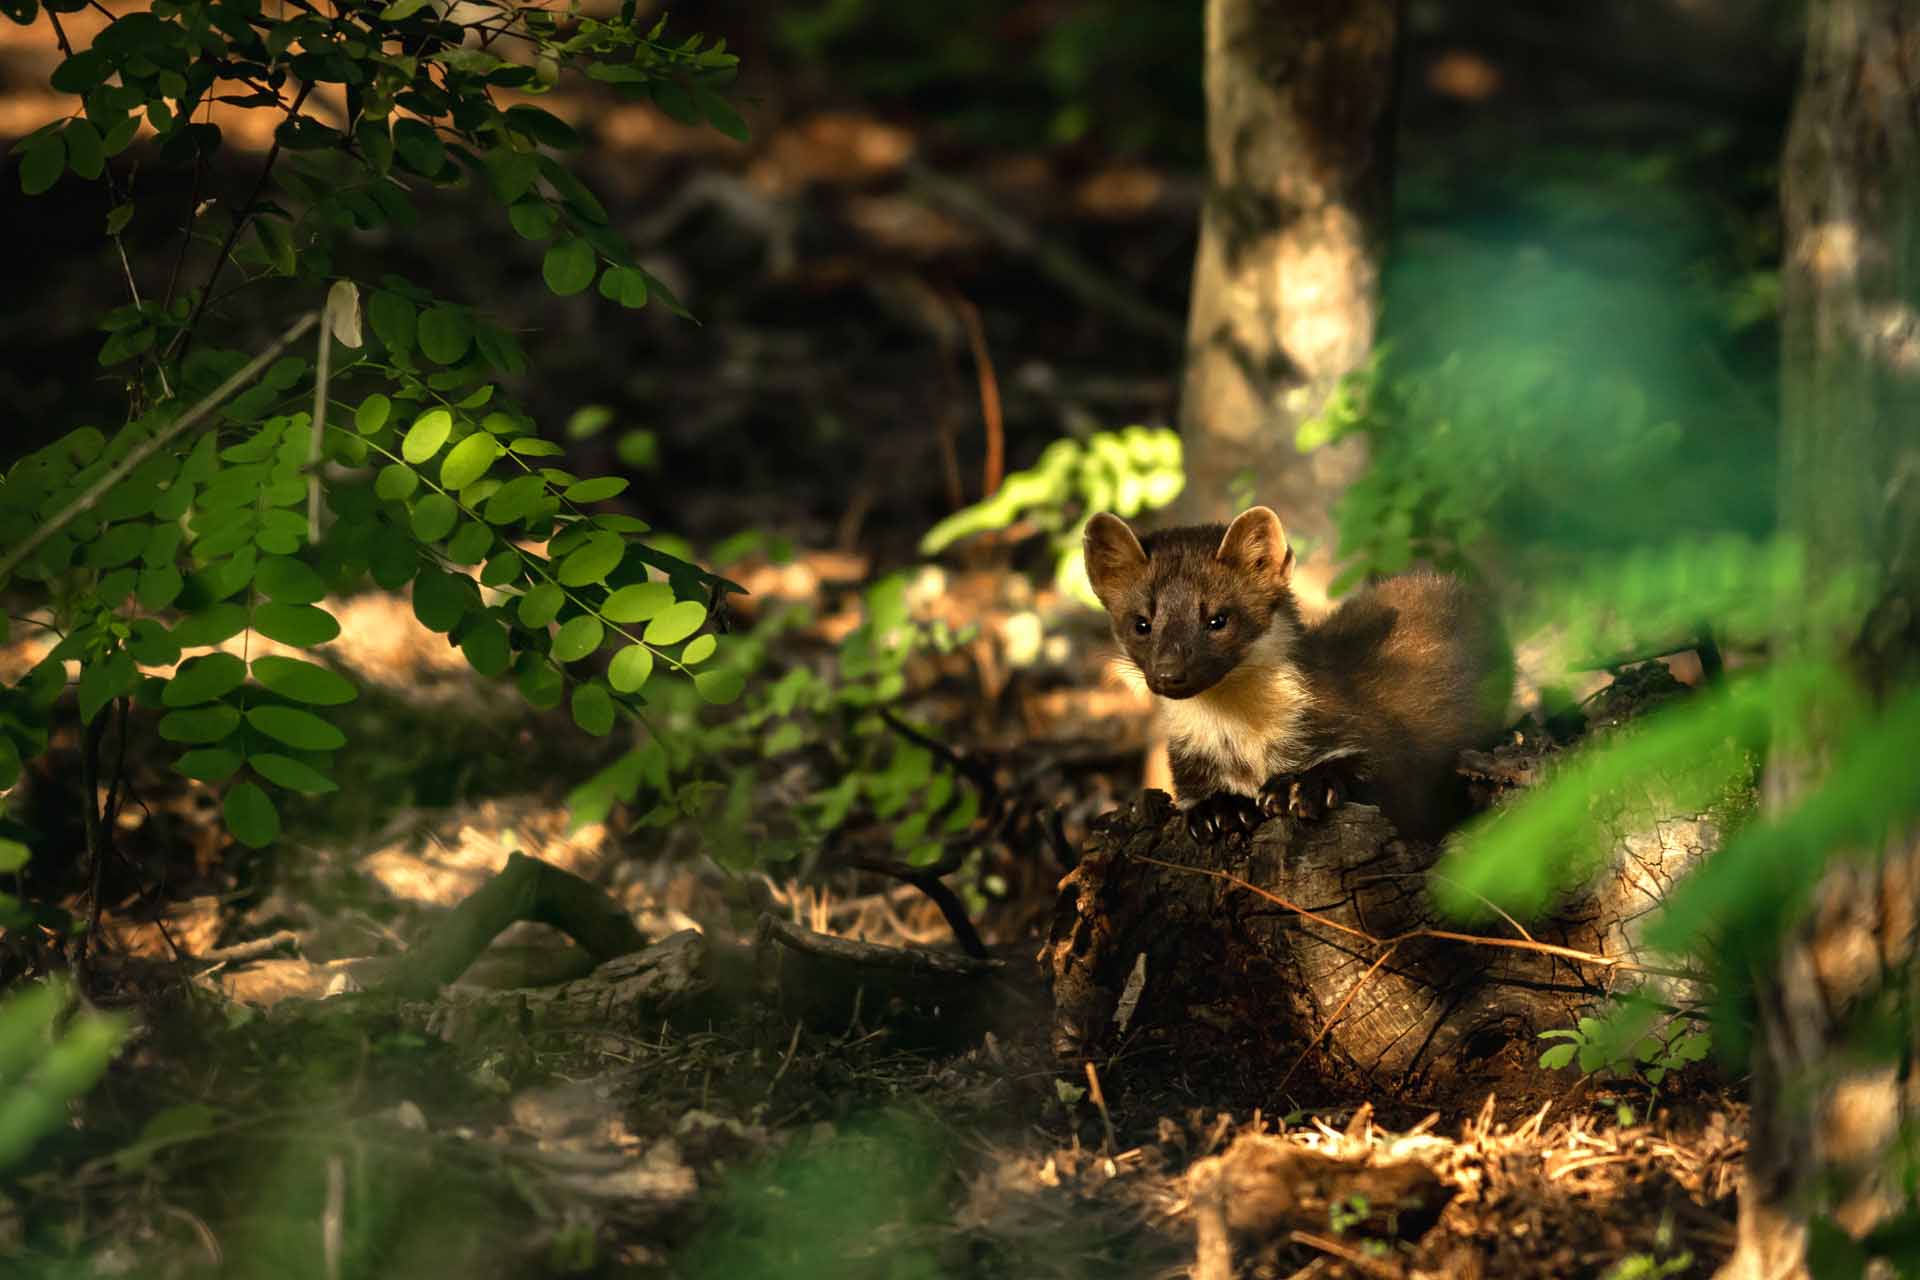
[184, 340]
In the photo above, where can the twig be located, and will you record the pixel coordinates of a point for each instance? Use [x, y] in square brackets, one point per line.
[1442, 935]
[186, 232]
[96, 837]
[322, 373]
[993, 470]
[1058, 263]
[978, 772]
[927, 880]
[793, 1047]
[241, 217]
[1348, 1254]
[1100, 1102]
[873, 956]
[251, 948]
[140, 453]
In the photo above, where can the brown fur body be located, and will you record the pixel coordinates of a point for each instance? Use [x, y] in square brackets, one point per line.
[1388, 688]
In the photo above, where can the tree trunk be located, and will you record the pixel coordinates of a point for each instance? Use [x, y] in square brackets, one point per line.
[1825, 1123]
[1286, 283]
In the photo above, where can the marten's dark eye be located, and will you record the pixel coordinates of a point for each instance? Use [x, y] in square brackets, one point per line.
[1141, 626]
[1218, 621]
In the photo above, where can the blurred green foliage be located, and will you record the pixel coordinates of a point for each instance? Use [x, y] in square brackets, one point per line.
[1578, 359]
[49, 1056]
[868, 1203]
[1127, 472]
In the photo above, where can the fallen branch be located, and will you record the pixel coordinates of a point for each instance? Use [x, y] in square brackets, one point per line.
[871, 955]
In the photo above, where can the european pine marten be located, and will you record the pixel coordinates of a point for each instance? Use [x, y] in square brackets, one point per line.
[1266, 714]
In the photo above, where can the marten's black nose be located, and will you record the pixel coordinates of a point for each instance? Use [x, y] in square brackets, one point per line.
[1171, 682]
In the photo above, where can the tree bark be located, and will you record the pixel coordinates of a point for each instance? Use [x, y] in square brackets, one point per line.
[1826, 1124]
[1286, 283]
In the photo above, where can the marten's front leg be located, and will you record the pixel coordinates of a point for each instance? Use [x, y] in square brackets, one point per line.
[1310, 794]
[1223, 813]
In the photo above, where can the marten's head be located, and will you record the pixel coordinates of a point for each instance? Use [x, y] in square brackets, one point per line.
[1189, 605]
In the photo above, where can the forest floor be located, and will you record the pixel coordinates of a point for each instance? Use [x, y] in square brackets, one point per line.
[757, 1125]
[765, 1118]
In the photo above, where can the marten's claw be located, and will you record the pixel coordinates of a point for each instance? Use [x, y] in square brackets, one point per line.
[1308, 796]
[1223, 814]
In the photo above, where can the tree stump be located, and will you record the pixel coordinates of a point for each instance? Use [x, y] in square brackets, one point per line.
[1246, 955]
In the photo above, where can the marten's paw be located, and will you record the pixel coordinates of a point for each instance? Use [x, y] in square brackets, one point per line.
[1223, 815]
[1310, 795]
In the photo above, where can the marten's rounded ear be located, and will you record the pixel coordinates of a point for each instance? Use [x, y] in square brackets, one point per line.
[1256, 543]
[1115, 558]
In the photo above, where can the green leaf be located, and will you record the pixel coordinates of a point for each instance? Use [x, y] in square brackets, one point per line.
[676, 622]
[512, 173]
[719, 687]
[434, 517]
[541, 126]
[41, 166]
[285, 771]
[296, 728]
[85, 155]
[541, 685]
[441, 600]
[446, 331]
[393, 321]
[624, 285]
[577, 638]
[151, 645]
[372, 414]
[596, 490]
[699, 649]
[303, 681]
[288, 581]
[401, 10]
[199, 724]
[471, 544]
[159, 587]
[720, 113]
[569, 266]
[396, 482]
[203, 679]
[424, 438]
[251, 816]
[637, 603]
[515, 499]
[484, 642]
[119, 544]
[541, 605]
[593, 708]
[533, 218]
[593, 560]
[300, 625]
[630, 668]
[468, 461]
[103, 680]
[209, 764]
[118, 217]
[502, 568]
[1558, 1056]
[210, 626]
